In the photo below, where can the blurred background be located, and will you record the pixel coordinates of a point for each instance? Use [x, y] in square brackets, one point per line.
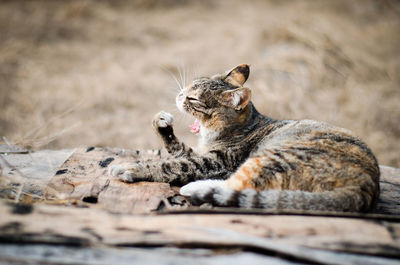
[94, 72]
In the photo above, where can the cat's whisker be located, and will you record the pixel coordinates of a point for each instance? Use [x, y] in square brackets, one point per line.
[180, 75]
[179, 88]
[183, 74]
[179, 114]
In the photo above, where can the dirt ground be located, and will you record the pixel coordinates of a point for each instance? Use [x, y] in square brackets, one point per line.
[93, 73]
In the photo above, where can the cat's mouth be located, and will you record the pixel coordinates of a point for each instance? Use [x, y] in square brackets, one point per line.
[195, 127]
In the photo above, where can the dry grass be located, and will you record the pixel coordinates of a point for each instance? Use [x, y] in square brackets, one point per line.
[83, 73]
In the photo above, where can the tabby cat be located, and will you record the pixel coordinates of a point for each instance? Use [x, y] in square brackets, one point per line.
[245, 159]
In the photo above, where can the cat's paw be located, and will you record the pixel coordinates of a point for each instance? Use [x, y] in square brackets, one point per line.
[121, 172]
[163, 119]
[213, 192]
[202, 187]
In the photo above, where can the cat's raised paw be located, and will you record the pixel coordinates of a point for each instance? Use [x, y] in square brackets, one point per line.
[163, 119]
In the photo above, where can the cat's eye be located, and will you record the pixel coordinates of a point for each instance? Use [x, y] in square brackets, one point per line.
[192, 99]
[196, 102]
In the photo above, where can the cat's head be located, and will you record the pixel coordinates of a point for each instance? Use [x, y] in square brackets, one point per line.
[219, 100]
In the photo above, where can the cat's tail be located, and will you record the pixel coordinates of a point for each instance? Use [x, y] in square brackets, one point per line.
[340, 200]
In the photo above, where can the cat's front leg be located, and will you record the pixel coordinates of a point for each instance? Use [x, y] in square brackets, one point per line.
[176, 171]
[162, 124]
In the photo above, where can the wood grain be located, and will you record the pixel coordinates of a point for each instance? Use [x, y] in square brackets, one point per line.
[82, 207]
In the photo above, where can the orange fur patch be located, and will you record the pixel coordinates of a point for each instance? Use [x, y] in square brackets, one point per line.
[244, 115]
[244, 177]
[246, 172]
[257, 160]
[239, 182]
[214, 123]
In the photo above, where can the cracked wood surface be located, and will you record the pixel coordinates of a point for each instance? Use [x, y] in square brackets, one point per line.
[307, 238]
[83, 177]
[77, 204]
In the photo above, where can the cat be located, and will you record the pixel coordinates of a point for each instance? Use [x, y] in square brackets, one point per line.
[245, 159]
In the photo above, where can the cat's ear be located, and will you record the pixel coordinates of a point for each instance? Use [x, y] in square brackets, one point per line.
[238, 75]
[237, 98]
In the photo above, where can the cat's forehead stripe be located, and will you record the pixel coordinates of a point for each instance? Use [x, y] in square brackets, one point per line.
[210, 84]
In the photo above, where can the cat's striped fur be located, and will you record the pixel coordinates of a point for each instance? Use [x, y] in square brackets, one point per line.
[245, 159]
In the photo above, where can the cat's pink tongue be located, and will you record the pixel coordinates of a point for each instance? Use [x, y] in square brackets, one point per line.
[195, 127]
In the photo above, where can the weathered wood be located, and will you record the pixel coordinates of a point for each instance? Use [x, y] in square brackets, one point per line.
[83, 177]
[24, 177]
[328, 238]
[11, 149]
[389, 199]
[291, 236]
[46, 254]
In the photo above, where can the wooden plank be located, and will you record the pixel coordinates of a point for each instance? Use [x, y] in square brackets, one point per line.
[11, 149]
[47, 254]
[289, 235]
[83, 178]
[389, 199]
[294, 236]
[24, 177]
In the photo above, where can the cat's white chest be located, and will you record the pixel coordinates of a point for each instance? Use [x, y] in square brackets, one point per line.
[206, 138]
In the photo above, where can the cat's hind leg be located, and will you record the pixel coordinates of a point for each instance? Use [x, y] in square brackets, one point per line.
[259, 173]
[255, 174]
[243, 178]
